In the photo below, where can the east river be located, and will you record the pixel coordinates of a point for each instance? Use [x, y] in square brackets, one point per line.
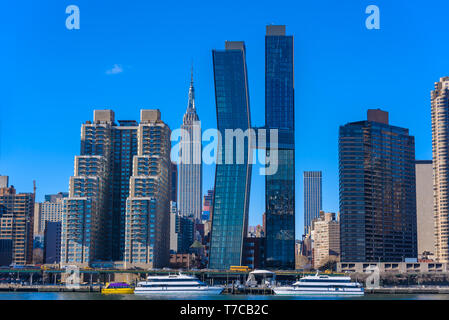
[99, 296]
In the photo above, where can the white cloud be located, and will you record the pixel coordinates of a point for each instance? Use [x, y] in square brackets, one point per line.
[115, 69]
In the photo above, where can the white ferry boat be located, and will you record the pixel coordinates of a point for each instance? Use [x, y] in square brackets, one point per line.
[322, 285]
[175, 284]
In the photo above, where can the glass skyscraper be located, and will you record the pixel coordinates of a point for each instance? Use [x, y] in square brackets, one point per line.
[313, 202]
[232, 181]
[280, 115]
[377, 191]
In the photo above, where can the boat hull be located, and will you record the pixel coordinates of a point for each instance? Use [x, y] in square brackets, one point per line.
[290, 291]
[117, 291]
[178, 291]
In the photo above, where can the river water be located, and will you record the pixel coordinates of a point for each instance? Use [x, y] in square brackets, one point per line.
[98, 296]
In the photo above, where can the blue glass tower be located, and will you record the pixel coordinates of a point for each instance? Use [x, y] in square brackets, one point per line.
[280, 115]
[232, 180]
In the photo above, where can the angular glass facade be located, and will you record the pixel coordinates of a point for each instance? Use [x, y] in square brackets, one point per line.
[232, 181]
[377, 192]
[280, 115]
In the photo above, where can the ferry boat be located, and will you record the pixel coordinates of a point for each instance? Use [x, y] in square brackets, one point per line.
[322, 285]
[175, 284]
[117, 288]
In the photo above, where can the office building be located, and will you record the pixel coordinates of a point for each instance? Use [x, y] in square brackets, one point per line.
[173, 231]
[440, 150]
[174, 183]
[16, 225]
[280, 115]
[147, 231]
[424, 209]
[254, 252]
[190, 167]
[313, 202]
[52, 242]
[208, 205]
[185, 230]
[377, 191]
[232, 180]
[326, 238]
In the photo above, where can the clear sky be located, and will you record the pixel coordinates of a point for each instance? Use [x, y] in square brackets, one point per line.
[130, 55]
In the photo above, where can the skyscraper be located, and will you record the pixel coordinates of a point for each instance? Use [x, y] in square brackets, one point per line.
[377, 191]
[16, 225]
[280, 115]
[424, 208]
[232, 180]
[190, 168]
[124, 150]
[313, 202]
[147, 231]
[94, 214]
[87, 212]
[440, 150]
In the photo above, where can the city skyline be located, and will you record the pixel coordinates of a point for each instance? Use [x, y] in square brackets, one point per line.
[14, 160]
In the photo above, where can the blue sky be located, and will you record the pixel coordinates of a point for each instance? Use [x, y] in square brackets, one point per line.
[53, 78]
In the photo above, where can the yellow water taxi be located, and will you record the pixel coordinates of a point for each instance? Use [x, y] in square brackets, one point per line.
[117, 288]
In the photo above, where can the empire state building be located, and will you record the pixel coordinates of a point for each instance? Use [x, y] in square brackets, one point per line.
[190, 169]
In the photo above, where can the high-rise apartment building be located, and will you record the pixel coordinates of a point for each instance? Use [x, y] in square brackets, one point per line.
[87, 219]
[232, 180]
[280, 115]
[94, 219]
[49, 210]
[377, 191]
[147, 231]
[424, 208]
[190, 167]
[440, 150]
[16, 225]
[313, 202]
[124, 150]
[325, 235]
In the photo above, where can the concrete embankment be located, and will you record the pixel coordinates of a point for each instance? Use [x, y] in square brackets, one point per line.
[408, 290]
[49, 288]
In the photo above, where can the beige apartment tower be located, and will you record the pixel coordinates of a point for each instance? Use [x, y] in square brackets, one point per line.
[424, 209]
[326, 238]
[440, 150]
